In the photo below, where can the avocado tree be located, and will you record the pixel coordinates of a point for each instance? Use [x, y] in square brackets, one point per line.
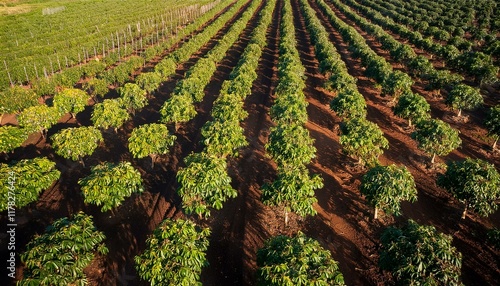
[290, 145]
[11, 137]
[175, 254]
[293, 191]
[75, 143]
[38, 118]
[133, 97]
[289, 109]
[178, 109]
[149, 81]
[419, 255]
[96, 87]
[71, 100]
[204, 183]
[436, 137]
[364, 140]
[150, 140]
[223, 138]
[396, 84]
[386, 186]
[462, 97]
[493, 123]
[30, 178]
[15, 99]
[297, 260]
[109, 113]
[349, 104]
[109, 184]
[412, 107]
[475, 183]
[60, 255]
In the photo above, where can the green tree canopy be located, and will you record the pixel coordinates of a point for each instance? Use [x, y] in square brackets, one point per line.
[38, 118]
[419, 255]
[413, 107]
[364, 140]
[462, 97]
[349, 104]
[71, 100]
[75, 143]
[204, 183]
[133, 97]
[109, 184]
[178, 109]
[175, 254]
[11, 137]
[386, 186]
[475, 183]
[109, 113]
[436, 137]
[294, 261]
[150, 140]
[59, 256]
[30, 177]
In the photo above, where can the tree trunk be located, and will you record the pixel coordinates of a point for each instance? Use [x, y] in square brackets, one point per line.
[459, 113]
[376, 214]
[433, 158]
[176, 126]
[409, 122]
[493, 147]
[464, 214]
[83, 163]
[153, 159]
[1, 118]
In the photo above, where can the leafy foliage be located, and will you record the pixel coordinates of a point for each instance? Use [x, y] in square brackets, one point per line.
[38, 118]
[293, 190]
[133, 97]
[494, 237]
[31, 176]
[175, 254]
[71, 100]
[59, 256]
[475, 183]
[109, 184]
[149, 81]
[11, 137]
[16, 99]
[223, 138]
[419, 255]
[364, 140]
[290, 145]
[396, 84]
[75, 143]
[413, 107]
[177, 109]
[150, 140]
[386, 186]
[294, 261]
[436, 137]
[464, 97]
[349, 104]
[493, 122]
[109, 113]
[96, 87]
[204, 183]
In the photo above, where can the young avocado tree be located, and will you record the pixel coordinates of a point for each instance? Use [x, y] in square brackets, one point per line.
[396, 84]
[71, 100]
[290, 145]
[475, 183]
[97, 88]
[149, 81]
[419, 255]
[38, 118]
[133, 97]
[59, 256]
[386, 186]
[11, 137]
[204, 183]
[349, 104]
[109, 184]
[175, 254]
[76, 143]
[109, 113]
[178, 109]
[223, 138]
[297, 261]
[364, 140]
[293, 191]
[436, 137]
[493, 123]
[412, 107]
[15, 99]
[150, 140]
[30, 178]
[463, 97]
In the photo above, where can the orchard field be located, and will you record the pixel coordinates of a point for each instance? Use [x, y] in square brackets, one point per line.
[167, 142]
